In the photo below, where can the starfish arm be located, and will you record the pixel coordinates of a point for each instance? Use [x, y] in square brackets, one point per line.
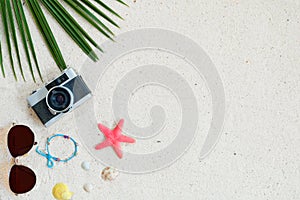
[103, 144]
[104, 129]
[118, 129]
[118, 150]
[124, 138]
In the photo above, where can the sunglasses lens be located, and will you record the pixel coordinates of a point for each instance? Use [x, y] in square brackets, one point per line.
[20, 140]
[21, 179]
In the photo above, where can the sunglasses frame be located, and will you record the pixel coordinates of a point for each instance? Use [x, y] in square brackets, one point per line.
[16, 166]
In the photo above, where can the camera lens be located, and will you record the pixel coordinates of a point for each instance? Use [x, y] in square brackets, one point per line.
[59, 99]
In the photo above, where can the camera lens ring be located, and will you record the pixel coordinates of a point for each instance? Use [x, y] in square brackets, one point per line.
[59, 99]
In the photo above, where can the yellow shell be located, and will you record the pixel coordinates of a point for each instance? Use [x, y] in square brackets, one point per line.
[61, 192]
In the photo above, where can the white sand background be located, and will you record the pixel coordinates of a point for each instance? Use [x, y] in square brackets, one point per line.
[255, 46]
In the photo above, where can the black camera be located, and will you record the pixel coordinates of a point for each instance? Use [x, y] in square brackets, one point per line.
[60, 96]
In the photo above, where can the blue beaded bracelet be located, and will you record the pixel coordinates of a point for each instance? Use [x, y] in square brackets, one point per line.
[51, 158]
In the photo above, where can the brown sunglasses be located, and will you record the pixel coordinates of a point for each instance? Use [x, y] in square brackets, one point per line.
[20, 140]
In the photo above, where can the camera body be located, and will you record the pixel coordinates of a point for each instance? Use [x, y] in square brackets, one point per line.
[58, 97]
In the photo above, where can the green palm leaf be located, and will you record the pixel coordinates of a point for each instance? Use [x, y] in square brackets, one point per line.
[1, 57]
[13, 10]
[122, 2]
[6, 31]
[23, 35]
[70, 28]
[14, 35]
[45, 29]
[99, 12]
[28, 36]
[74, 23]
[108, 8]
[89, 16]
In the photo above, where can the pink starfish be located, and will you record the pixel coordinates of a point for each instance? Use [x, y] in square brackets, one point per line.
[113, 138]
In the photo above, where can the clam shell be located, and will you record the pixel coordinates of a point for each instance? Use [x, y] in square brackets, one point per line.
[88, 187]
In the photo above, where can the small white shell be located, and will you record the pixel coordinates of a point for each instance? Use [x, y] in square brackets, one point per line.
[85, 165]
[109, 174]
[88, 187]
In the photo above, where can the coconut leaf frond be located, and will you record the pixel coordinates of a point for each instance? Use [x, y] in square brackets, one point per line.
[14, 35]
[7, 35]
[28, 37]
[1, 57]
[89, 16]
[15, 21]
[23, 36]
[122, 2]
